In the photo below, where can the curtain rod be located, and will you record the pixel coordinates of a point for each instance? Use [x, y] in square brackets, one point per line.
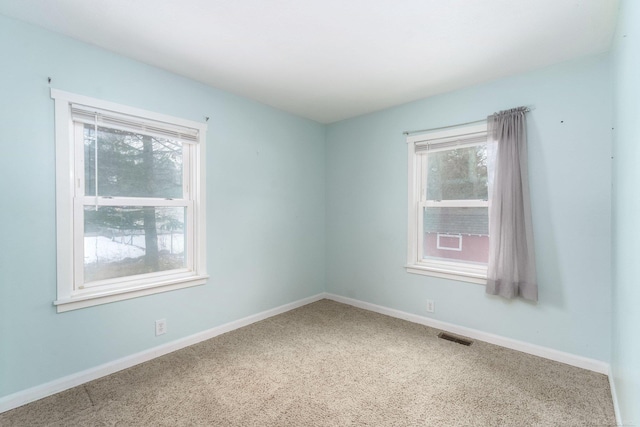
[408, 132]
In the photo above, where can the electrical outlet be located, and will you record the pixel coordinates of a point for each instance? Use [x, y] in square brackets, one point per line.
[431, 306]
[161, 327]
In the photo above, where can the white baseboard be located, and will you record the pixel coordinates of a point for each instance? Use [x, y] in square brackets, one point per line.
[38, 392]
[525, 347]
[29, 395]
[614, 396]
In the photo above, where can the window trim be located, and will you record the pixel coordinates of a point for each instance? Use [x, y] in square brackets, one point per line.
[460, 271]
[68, 296]
[449, 236]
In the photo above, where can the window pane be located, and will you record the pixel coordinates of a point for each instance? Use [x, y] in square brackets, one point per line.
[460, 234]
[459, 174]
[124, 241]
[132, 165]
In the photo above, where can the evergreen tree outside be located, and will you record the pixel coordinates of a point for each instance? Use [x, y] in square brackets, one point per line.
[459, 174]
[133, 165]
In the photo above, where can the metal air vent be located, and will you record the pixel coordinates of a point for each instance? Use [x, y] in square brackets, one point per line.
[453, 338]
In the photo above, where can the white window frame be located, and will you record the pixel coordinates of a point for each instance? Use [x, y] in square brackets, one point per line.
[417, 201]
[70, 202]
[449, 248]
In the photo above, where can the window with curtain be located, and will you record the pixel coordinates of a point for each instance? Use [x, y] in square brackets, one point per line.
[469, 205]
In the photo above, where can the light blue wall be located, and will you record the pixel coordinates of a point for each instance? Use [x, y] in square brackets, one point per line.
[268, 174]
[570, 170]
[265, 218]
[626, 212]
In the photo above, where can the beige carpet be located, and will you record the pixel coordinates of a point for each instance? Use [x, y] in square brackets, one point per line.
[329, 364]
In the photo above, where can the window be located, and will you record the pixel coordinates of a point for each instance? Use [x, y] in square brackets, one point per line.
[449, 242]
[129, 202]
[448, 204]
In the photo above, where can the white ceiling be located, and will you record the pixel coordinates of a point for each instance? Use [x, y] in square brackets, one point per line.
[334, 59]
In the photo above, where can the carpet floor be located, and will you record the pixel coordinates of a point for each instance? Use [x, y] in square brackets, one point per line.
[330, 364]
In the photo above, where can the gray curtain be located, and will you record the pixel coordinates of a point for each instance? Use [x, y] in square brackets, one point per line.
[511, 270]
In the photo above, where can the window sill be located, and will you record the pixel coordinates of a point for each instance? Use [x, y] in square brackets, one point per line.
[76, 302]
[434, 272]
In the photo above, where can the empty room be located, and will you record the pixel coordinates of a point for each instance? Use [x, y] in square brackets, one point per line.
[320, 213]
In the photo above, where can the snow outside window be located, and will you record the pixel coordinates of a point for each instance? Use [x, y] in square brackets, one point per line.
[130, 202]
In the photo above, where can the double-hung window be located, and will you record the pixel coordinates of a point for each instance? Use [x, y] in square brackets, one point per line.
[448, 204]
[130, 202]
